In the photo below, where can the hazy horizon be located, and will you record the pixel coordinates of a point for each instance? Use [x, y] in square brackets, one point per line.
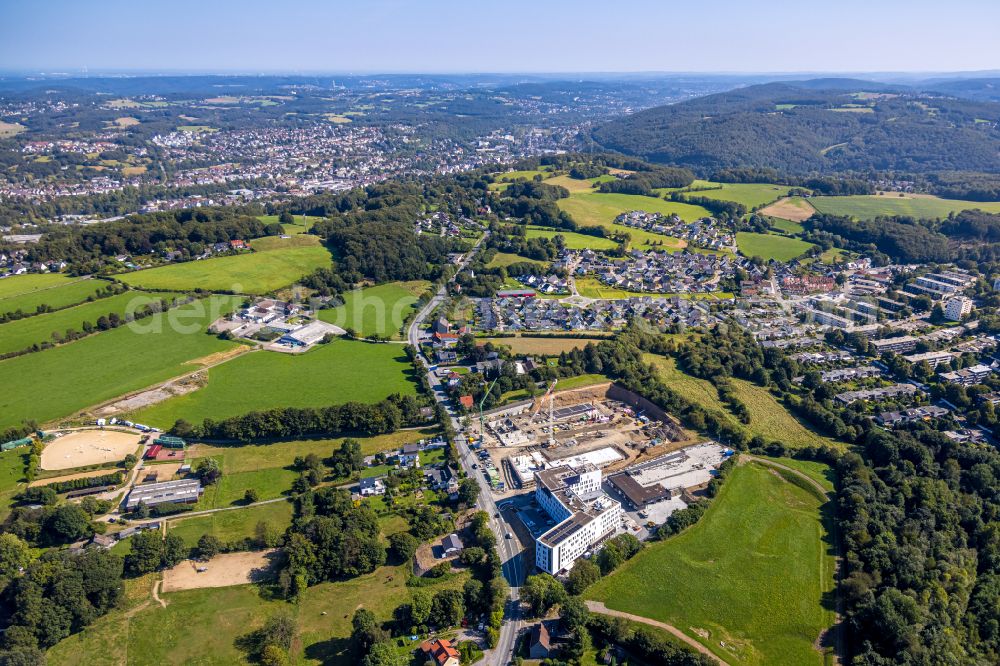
[451, 37]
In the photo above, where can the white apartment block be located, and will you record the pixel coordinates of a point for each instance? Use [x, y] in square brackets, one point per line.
[958, 307]
[585, 515]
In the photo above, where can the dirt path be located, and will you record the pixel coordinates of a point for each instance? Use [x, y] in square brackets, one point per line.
[805, 477]
[599, 607]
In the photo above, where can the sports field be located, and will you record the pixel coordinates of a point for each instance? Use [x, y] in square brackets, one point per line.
[770, 246]
[27, 292]
[867, 207]
[112, 363]
[768, 417]
[592, 209]
[747, 580]
[795, 209]
[82, 448]
[382, 309]
[23, 333]
[254, 273]
[751, 195]
[331, 374]
[575, 241]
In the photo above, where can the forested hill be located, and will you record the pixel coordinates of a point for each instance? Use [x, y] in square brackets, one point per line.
[815, 126]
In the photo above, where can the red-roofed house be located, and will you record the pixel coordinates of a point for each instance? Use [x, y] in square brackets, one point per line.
[441, 652]
[238, 244]
[466, 401]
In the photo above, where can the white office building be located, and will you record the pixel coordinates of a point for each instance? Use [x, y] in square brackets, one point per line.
[585, 515]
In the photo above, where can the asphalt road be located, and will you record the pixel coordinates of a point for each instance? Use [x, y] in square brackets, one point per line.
[514, 569]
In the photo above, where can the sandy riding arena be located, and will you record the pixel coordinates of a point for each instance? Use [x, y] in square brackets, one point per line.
[88, 447]
[221, 571]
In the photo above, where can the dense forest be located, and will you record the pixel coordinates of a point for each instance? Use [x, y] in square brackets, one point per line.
[834, 130]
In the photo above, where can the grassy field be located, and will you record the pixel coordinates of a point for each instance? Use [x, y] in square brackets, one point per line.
[303, 223]
[867, 207]
[817, 471]
[547, 346]
[591, 287]
[53, 290]
[506, 259]
[338, 372]
[254, 273]
[8, 130]
[591, 209]
[768, 417]
[112, 363]
[752, 573]
[22, 333]
[573, 240]
[750, 195]
[788, 226]
[201, 626]
[12, 464]
[231, 525]
[770, 246]
[382, 309]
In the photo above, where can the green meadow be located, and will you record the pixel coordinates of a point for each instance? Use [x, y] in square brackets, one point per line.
[110, 364]
[331, 374]
[302, 224]
[22, 333]
[251, 273]
[575, 241]
[232, 525]
[378, 310]
[751, 195]
[769, 418]
[748, 580]
[868, 207]
[770, 246]
[27, 292]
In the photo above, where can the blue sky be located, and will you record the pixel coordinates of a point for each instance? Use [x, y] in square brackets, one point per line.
[500, 36]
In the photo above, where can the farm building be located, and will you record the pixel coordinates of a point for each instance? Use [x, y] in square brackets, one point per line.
[168, 492]
[309, 334]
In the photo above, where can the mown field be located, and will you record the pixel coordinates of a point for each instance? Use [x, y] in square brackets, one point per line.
[542, 346]
[750, 195]
[788, 226]
[867, 207]
[768, 417]
[751, 574]
[202, 626]
[23, 333]
[378, 310]
[332, 374]
[573, 240]
[253, 273]
[27, 292]
[111, 364]
[795, 209]
[770, 246]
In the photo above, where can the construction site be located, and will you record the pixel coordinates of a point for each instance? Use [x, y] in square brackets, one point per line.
[603, 425]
